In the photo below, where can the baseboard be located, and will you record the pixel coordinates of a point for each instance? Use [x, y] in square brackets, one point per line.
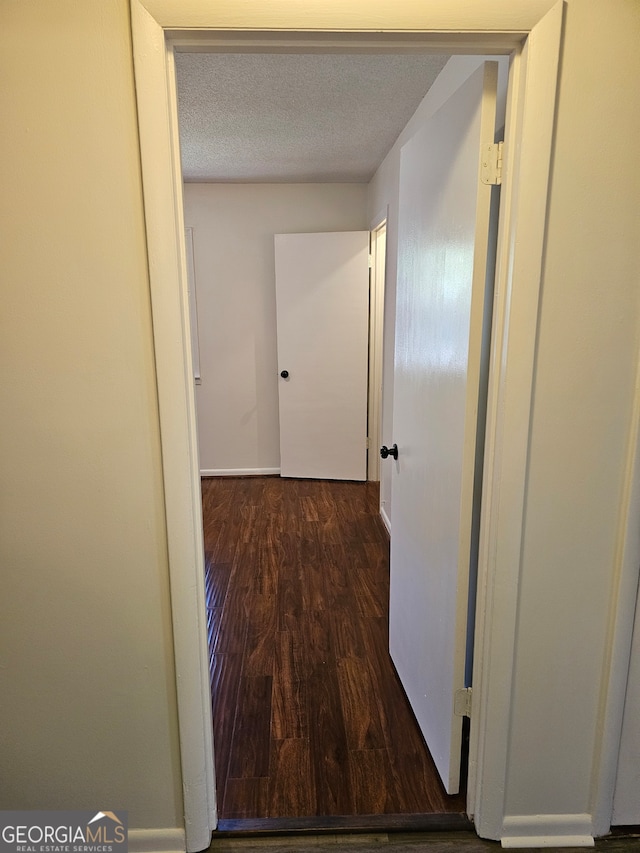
[239, 472]
[552, 830]
[385, 519]
[157, 841]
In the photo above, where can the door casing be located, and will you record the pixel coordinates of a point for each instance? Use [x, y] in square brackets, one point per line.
[530, 33]
[377, 275]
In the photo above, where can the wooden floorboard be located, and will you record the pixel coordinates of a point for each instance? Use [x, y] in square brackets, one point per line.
[310, 720]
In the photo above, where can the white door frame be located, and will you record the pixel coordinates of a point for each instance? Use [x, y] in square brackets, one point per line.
[377, 276]
[530, 32]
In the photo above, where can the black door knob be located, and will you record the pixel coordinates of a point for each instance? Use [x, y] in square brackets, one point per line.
[389, 451]
[284, 374]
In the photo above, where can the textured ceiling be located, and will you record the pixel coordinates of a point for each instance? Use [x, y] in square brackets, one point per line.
[295, 117]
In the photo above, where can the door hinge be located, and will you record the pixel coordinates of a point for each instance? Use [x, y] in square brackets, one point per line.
[370, 261]
[367, 442]
[462, 702]
[491, 163]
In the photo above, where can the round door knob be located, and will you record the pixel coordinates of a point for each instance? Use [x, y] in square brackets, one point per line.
[284, 374]
[389, 451]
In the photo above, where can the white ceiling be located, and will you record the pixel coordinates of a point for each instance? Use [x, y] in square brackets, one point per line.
[295, 117]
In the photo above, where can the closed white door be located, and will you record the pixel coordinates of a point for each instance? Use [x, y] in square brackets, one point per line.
[322, 297]
[442, 271]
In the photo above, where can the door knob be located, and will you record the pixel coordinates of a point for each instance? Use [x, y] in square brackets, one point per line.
[284, 374]
[389, 451]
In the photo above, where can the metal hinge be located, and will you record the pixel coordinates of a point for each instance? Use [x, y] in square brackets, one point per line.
[462, 702]
[370, 261]
[367, 442]
[491, 163]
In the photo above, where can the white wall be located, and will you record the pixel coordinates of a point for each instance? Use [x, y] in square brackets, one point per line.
[233, 229]
[383, 196]
[88, 710]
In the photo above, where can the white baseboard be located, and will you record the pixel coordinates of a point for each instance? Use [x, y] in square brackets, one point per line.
[385, 519]
[238, 472]
[157, 841]
[553, 830]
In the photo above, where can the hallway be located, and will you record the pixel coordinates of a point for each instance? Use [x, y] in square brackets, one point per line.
[309, 716]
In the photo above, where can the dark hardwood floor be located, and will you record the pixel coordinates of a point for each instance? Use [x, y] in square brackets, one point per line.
[309, 716]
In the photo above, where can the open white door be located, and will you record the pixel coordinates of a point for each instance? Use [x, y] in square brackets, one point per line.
[322, 295]
[442, 270]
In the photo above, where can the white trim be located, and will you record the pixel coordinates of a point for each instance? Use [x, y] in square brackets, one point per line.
[547, 830]
[493, 21]
[377, 280]
[238, 472]
[157, 841]
[193, 304]
[528, 138]
[385, 519]
[162, 191]
[529, 841]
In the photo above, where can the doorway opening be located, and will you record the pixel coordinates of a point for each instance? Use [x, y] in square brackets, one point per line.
[248, 789]
[533, 79]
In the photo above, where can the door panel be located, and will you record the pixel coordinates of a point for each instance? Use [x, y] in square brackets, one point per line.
[322, 295]
[442, 264]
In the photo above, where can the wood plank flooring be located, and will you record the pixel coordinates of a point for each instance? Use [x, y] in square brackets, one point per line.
[309, 716]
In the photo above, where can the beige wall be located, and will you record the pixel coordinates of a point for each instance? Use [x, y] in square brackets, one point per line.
[88, 713]
[233, 230]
